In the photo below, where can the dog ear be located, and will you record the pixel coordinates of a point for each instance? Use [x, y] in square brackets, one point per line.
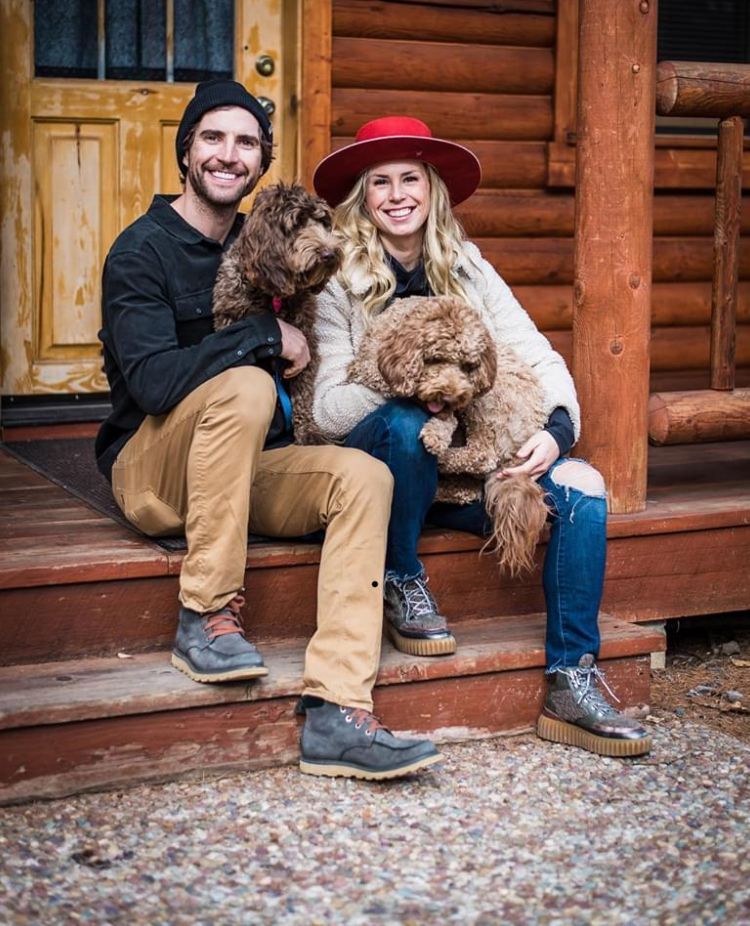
[262, 251]
[487, 371]
[400, 359]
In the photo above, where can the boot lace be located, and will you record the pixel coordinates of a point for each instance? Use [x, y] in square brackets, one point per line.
[359, 717]
[226, 620]
[584, 681]
[418, 598]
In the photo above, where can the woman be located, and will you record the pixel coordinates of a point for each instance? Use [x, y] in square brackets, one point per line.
[393, 190]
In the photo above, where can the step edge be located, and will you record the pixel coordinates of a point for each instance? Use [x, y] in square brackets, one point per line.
[476, 659]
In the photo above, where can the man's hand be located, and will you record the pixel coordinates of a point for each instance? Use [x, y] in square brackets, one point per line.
[294, 348]
[539, 452]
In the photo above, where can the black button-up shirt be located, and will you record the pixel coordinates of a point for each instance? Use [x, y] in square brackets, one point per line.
[158, 337]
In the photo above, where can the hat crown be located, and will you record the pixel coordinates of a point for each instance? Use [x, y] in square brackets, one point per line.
[393, 127]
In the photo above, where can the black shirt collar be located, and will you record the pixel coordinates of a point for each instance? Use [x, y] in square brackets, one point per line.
[170, 220]
[408, 282]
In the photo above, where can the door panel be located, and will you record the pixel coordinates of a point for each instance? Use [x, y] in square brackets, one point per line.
[82, 158]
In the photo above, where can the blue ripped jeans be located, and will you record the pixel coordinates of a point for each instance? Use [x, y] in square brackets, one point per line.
[574, 564]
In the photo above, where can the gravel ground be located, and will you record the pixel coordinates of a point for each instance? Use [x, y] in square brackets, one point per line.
[505, 831]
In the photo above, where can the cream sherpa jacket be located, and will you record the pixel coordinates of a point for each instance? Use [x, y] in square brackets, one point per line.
[340, 405]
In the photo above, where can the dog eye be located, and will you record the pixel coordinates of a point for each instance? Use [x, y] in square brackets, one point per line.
[470, 367]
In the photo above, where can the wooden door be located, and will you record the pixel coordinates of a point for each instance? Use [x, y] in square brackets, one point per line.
[84, 149]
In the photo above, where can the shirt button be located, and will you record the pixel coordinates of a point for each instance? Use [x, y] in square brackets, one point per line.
[270, 339]
[240, 353]
[199, 311]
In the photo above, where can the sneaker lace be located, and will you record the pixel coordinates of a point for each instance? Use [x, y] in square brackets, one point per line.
[226, 620]
[359, 716]
[585, 682]
[419, 600]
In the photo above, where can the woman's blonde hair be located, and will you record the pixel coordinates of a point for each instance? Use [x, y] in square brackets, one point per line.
[365, 267]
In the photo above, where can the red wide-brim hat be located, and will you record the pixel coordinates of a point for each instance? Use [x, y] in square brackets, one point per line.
[397, 138]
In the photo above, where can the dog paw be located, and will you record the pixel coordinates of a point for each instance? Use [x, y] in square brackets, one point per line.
[437, 433]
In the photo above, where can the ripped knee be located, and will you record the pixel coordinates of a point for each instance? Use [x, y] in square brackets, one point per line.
[576, 474]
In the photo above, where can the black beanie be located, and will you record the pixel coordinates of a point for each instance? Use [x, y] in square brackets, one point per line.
[211, 94]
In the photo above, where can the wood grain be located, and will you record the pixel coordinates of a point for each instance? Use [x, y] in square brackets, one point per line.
[387, 20]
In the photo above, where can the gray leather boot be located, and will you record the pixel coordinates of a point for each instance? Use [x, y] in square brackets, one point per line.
[413, 621]
[351, 742]
[211, 647]
[577, 713]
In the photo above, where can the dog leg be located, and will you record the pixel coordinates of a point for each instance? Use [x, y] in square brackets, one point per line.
[437, 433]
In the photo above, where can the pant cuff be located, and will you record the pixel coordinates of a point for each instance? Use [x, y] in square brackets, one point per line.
[340, 699]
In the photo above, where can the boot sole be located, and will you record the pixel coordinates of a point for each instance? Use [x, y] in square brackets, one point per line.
[558, 731]
[341, 770]
[421, 647]
[232, 675]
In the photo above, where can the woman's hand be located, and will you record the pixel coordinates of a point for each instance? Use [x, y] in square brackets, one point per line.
[294, 348]
[539, 453]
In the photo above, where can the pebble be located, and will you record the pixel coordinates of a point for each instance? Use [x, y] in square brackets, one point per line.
[733, 696]
[732, 648]
[703, 690]
[508, 831]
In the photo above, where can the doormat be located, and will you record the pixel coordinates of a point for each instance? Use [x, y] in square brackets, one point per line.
[71, 464]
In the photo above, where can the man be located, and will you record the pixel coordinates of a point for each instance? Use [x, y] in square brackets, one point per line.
[197, 442]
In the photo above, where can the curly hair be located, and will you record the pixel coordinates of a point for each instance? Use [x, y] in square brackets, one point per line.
[364, 259]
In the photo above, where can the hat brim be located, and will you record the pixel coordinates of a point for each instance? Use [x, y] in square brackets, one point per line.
[458, 167]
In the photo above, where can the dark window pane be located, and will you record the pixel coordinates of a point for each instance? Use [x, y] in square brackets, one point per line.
[704, 30]
[65, 43]
[136, 40]
[204, 39]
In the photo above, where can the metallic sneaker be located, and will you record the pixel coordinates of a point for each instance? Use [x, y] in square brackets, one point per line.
[577, 713]
[351, 742]
[412, 619]
[211, 647]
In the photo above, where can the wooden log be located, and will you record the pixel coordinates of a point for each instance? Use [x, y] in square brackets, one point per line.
[698, 88]
[543, 7]
[450, 115]
[614, 221]
[550, 260]
[674, 168]
[439, 66]
[315, 86]
[378, 19]
[698, 417]
[726, 251]
[505, 164]
[675, 349]
[498, 213]
[680, 304]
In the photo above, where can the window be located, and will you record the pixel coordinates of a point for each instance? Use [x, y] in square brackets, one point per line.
[168, 40]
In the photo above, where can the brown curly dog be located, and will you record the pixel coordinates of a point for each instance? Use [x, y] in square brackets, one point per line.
[285, 253]
[485, 402]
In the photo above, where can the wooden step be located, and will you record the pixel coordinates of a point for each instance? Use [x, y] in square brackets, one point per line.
[78, 725]
[74, 584]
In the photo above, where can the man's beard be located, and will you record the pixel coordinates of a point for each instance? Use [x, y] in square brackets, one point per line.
[213, 197]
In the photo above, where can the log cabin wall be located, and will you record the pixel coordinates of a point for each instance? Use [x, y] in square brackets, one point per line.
[490, 75]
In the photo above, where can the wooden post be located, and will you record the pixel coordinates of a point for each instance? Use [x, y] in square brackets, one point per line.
[613, 229]
[316, 30]
[726, 252]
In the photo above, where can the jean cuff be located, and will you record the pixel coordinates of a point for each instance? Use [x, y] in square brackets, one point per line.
[392, 576]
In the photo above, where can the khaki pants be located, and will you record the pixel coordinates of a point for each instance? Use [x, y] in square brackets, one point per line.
[201, 468]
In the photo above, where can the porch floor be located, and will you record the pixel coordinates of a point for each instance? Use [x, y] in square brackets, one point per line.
[87, 609]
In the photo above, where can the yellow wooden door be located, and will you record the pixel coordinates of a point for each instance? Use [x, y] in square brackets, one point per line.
[82, 156]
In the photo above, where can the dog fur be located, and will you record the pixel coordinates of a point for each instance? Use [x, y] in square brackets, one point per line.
[486, 402]
[286, 252]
